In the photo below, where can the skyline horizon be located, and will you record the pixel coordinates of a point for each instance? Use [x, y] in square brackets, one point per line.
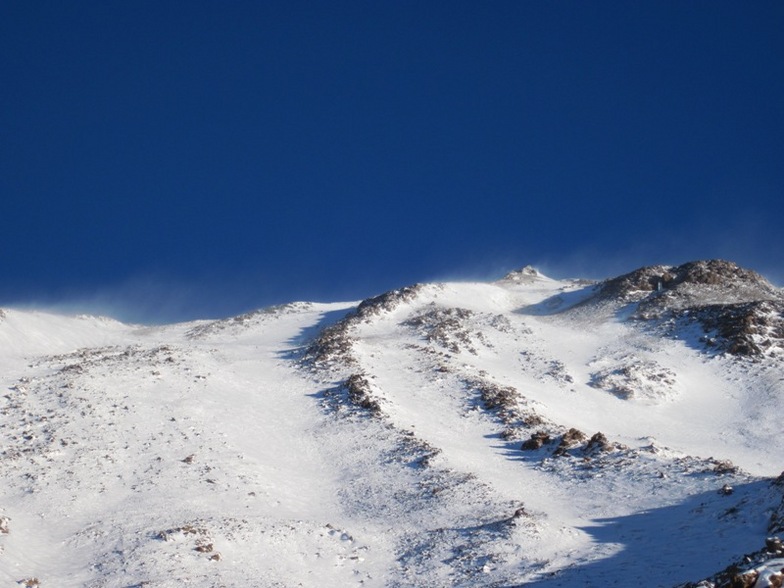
[227, 158]
[158, 302]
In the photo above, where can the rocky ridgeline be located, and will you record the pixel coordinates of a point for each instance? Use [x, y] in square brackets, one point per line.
[245, 321]
[332, 347]
[332, 350]
[739, 311]
[709, 281]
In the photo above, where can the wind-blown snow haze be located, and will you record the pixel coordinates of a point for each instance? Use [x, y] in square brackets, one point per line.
[251, 153]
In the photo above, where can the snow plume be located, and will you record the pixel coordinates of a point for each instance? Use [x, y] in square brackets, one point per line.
[155, 299]
[480, 269]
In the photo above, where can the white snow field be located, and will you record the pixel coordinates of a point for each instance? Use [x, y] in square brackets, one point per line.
[526, 432]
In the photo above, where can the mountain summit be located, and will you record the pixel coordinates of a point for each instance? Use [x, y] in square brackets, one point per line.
[736, 309]
[524, 432]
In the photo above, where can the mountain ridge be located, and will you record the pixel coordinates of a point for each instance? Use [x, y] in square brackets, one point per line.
[522, 432]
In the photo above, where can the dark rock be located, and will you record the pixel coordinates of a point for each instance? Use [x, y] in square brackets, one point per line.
[724, 466]
[536, 441]
[359, 393]
[387, 301]
[645, 279]
[598, 442]
[569, 439]
[334, 342]
[745, 580]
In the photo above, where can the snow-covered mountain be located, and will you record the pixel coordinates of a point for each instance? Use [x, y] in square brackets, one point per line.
[525, 432]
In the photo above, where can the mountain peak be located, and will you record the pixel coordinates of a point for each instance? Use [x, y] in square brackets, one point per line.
[705, 281]
[524, 275]
[717, 272]
[437, 434]
[739, 311]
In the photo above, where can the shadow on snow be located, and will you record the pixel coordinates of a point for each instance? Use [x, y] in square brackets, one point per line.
[673, 544]
[306, 335]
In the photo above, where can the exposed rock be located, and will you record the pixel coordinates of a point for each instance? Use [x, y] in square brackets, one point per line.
[745, 580]
[185, 530]
[749, 328]
[633, 377]
[359, 394]
[716, 280]
[244, 321]
[525, 275]
[331, 346]
[386, 302]
[724, 466]
[536, 441]
[716, 271]
[498, 397]
[740, 312]
[598, 442]
[774, 545]
[569, 439]
[445, 327]
[643, 280]
[334, 343]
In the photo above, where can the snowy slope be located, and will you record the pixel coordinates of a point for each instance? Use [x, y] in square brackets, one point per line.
[524, 432]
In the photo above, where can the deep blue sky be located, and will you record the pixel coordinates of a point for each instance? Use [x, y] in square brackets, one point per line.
[167, 160]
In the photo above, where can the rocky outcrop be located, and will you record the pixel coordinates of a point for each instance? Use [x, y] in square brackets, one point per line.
[525, 275]
[696, 282]
[333, 345]
[739, 311]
